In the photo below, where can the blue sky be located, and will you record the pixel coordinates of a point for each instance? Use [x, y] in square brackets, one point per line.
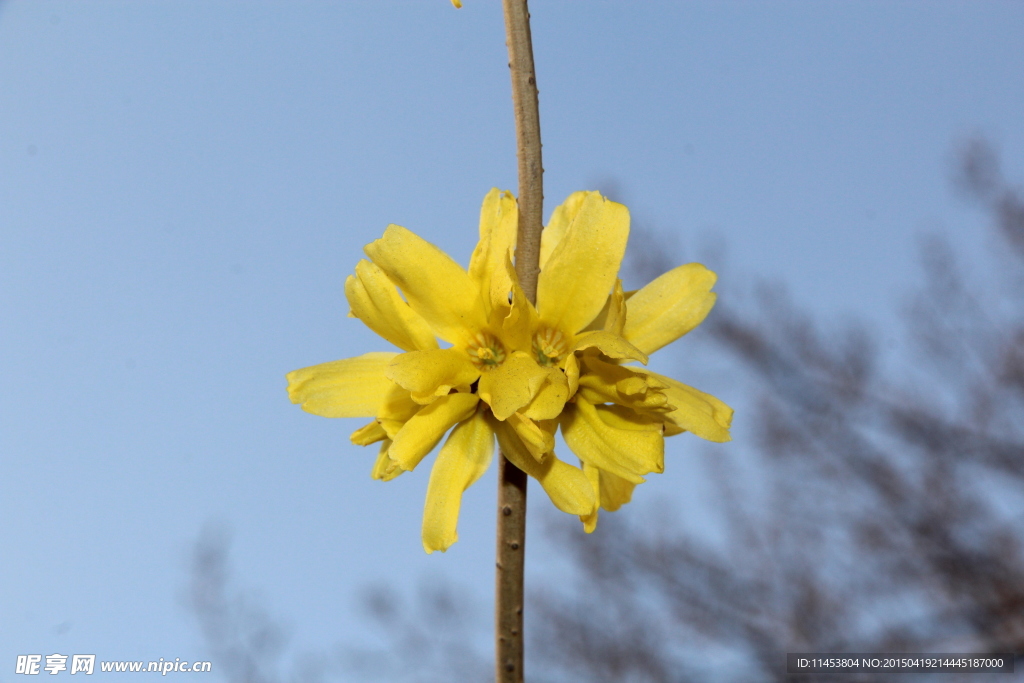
[185, 185]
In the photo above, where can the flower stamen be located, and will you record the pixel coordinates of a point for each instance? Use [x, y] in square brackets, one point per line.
[549, 346]
[486, 351]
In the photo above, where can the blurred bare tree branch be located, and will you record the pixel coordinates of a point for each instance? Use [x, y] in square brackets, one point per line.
[240, 635]
[246, 643]
[430, 638]
[887, 527]
[424, 639]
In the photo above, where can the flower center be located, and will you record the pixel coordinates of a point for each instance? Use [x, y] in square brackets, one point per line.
[486, 351]
[549, 346]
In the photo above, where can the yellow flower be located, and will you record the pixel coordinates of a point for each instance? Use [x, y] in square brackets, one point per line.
[457, 3]
[515, 371]
[487, 382]
[617, 415]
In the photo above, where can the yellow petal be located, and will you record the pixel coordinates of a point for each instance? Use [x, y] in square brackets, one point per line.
[354, 387]
[396, 409]
[374, 299]
[511, 385]
[609, 344]
[371, 433]
[499, 223]
[437, 288]
[581, 270]
[612, 493]
[594, 477]
[421, 433]
[520, 320]
[566, 485]
[559, 222]
[537, 441]
[572, 373]
[615, 491]
[457, 4]
[385, 469]
[697, 412]
[615, 318]
[669, 307]
[551, 398]
[614, 439]
[672, 429]
[612, 317]
[430, 374]
[464, 457]
[608, 383]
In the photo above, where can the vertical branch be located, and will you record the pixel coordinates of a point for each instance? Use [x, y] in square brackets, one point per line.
[511, 539]
[524, 102]
[508, 606]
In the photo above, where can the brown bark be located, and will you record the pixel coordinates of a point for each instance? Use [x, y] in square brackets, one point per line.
[511, 539]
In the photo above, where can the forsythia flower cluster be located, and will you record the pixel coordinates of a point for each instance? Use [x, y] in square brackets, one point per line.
[516, 371]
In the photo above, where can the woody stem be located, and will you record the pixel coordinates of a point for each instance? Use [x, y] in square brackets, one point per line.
[511, 539]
